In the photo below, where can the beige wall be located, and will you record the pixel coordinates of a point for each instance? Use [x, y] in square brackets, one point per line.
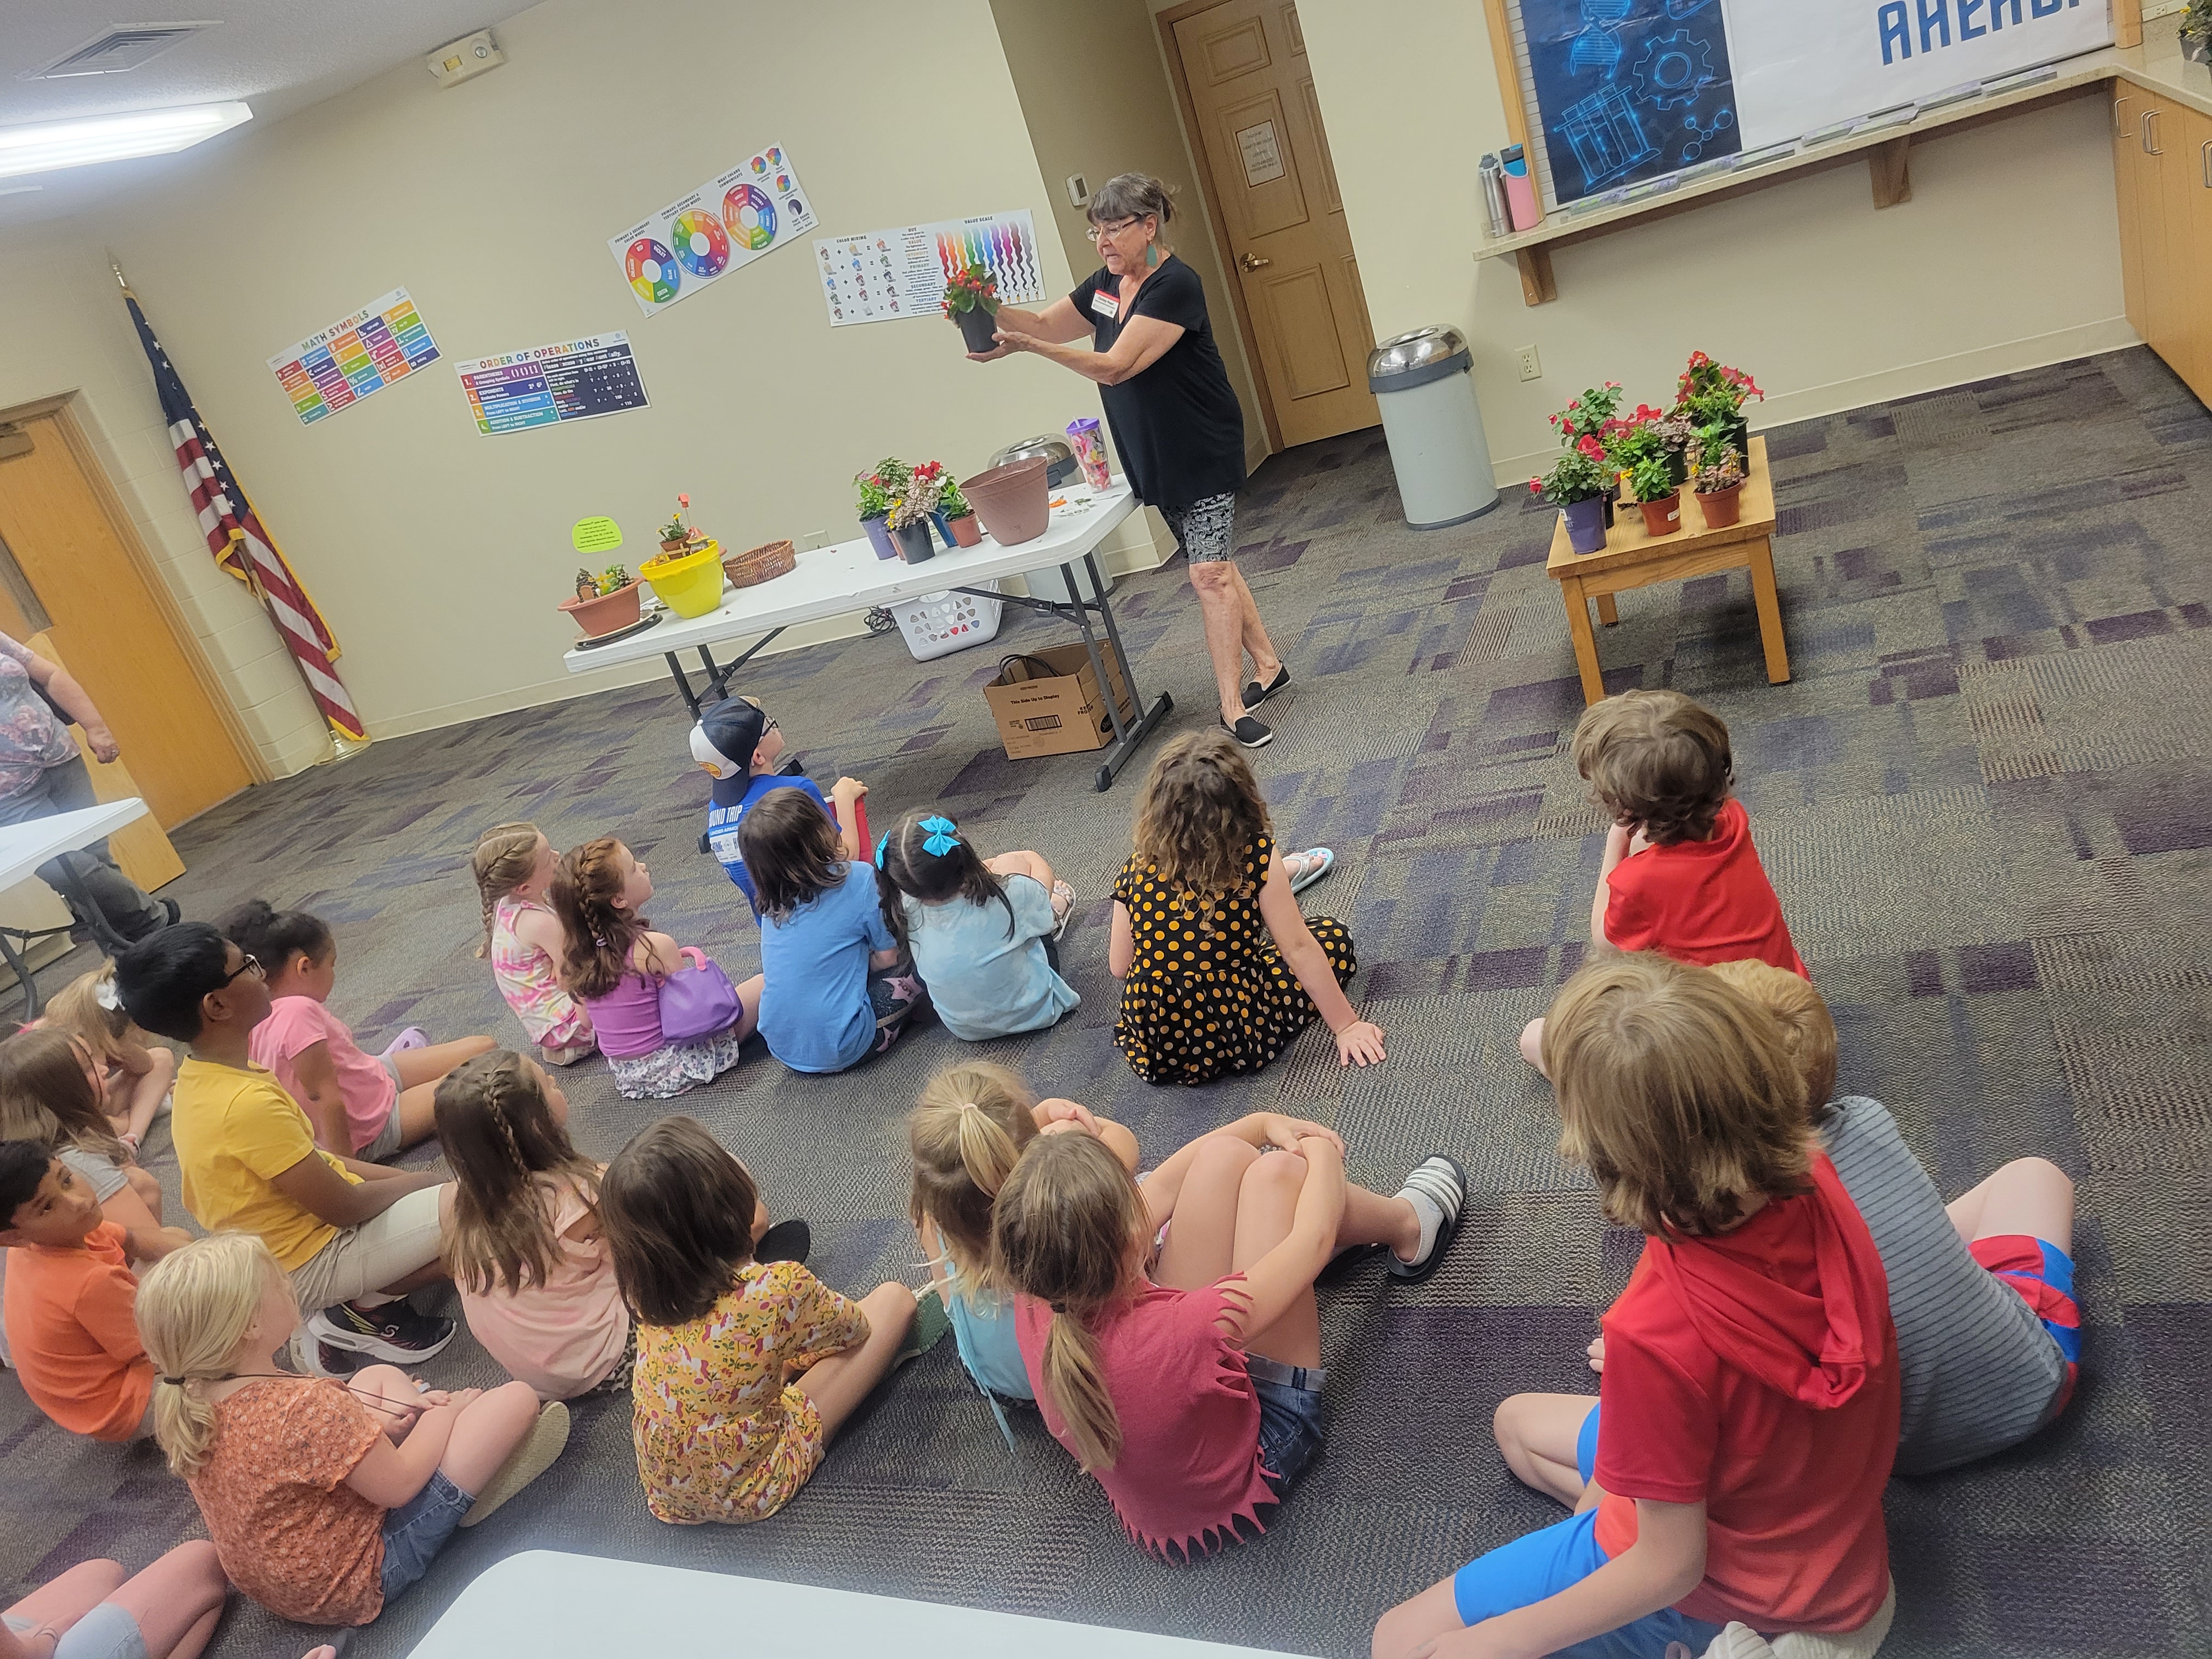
[438, 555]
[2007, 256]
[1095, 94]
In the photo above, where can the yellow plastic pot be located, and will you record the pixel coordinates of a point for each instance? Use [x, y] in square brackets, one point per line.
[689, 584]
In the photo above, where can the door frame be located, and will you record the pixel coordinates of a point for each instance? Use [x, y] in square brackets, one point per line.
[1202, 169]
[62, 408]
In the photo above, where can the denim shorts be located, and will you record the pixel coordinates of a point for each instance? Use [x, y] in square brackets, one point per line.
[107, 1632]
[416, 1531]
[385, 1142]
[1291, 1417]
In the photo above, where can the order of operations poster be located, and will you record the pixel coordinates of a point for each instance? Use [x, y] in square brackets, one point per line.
[574, 380]
[880, 275]
[723, 226]
[336, 367]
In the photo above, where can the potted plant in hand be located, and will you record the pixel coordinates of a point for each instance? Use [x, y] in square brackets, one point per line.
[1716, 475]
[971, 299]
[910, 515]
[606, 602]
[956, 520]
[1577, 486]
[1654, 487]
[878, 489]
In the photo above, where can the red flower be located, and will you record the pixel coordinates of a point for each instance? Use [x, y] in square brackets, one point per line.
[1591, 448]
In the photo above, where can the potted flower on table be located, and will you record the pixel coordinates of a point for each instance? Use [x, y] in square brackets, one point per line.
[971, 299]
[878, 489]
[956, 520]
[606, 602]
[1711, 393]
[1578, 485]
[910, 513]
[1651, 480]
[1716, 476]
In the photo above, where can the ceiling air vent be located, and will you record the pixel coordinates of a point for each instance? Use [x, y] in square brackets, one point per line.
[124, 47]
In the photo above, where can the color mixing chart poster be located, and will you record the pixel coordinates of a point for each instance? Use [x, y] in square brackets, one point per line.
[575, 380]
[727, 222]
[881, 275]
[1629, 89]
[383, 342]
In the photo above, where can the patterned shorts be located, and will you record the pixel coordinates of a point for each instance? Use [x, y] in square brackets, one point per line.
[1206, 530]
[674, 1068]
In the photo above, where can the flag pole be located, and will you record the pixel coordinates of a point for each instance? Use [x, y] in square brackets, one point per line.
[342, 746]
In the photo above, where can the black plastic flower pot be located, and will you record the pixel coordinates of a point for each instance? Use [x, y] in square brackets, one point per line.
[978, 328]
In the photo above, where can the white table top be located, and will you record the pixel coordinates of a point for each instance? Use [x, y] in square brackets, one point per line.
[830, 582]
[552, 1605]
[25, 846]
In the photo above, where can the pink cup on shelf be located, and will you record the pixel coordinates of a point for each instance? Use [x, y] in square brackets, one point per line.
[1090, 445]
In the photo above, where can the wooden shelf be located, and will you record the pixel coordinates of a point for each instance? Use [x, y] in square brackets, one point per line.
[2156, 63]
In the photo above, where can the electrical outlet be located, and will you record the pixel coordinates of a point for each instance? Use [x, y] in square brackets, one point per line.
[813, 539]
[1530, 369]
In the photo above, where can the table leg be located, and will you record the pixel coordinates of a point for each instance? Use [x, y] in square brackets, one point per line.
[1769, 611]
[1097, 667]
[1578, 629]
[1125, 746]
[683, 683]
[1607, 611]
[23, 977]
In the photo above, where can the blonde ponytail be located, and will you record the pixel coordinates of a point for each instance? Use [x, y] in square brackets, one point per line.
[1068, 1229]
[195, 1306]
[966, 1133]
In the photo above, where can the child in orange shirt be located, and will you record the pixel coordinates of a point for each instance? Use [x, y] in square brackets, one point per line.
[70, 1294]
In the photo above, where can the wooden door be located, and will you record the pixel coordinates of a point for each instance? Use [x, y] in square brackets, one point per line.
[104, 622]
[2191, 211]
[2127, 187]
[2154, 136]
[1266, 158]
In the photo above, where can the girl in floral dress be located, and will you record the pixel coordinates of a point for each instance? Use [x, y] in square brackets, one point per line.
[744, 1372]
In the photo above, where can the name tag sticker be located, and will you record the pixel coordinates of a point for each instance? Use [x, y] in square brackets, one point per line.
[1106, 305]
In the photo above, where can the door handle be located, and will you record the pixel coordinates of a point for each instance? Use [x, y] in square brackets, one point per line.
[1250, 262]
[2149, 132]
[2204, 163]
[2119, 127]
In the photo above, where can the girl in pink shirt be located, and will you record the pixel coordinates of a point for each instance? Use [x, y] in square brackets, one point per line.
[1189, 1383]
[537, 1284]
[366, 1106]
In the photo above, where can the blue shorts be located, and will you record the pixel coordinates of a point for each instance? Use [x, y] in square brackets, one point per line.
[416, 1531]
[1291, 1417]
[1539, 1566]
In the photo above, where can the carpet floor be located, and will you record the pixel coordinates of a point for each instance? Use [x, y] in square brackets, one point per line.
[1983, 802]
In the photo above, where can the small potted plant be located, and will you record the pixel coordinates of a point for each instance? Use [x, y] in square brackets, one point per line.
[678, 536]
[1710, 392]
[879, 487]
[910, 514]
[605, 603]
[2197, 31]
[1652, 482]
[971, 300]
[1577, 486]
[956, 520]
[1716, 476]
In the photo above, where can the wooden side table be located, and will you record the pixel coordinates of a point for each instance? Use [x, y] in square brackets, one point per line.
[1630, 558]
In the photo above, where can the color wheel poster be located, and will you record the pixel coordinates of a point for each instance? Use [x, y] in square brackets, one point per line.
[728, 222]
[383, 342]
[880, 275]
[576, 381]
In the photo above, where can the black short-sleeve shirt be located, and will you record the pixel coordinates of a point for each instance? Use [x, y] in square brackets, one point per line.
[1176, 425]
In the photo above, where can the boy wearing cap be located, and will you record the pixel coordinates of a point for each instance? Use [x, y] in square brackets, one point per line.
[741, 748]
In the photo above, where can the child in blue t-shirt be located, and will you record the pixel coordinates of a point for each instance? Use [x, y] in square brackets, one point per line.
[742, 749]
[982, 930]
[837, 988]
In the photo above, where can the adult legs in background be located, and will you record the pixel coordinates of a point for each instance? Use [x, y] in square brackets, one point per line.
[1207, 533]
[127, 909]
[2030, 1195]
[837, 1384]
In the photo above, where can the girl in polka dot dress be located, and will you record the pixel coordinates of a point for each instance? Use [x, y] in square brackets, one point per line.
[1218, 971]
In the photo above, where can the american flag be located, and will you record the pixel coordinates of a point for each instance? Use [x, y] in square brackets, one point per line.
[241, 546]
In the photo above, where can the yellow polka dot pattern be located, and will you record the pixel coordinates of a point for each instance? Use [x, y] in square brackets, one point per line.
[1200, 1003]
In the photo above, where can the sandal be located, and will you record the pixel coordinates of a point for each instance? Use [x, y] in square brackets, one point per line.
[1318, 861]
[1438, 1178]
[1063, 909]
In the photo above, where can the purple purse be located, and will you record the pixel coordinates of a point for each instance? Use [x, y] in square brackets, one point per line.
[697, 1002]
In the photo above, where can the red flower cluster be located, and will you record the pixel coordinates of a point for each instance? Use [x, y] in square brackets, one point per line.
[1703, 369]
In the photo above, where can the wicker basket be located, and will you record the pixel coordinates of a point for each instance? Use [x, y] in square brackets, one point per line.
[751, 569]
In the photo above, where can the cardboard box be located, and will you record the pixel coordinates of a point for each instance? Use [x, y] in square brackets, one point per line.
[1047, 702]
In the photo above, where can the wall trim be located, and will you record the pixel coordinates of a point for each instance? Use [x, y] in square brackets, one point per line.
[1908, 380]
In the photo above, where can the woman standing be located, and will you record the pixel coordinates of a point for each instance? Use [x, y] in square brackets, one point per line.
[1175, 418]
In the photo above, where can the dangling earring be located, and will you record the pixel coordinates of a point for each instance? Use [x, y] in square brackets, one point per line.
[1152, 254]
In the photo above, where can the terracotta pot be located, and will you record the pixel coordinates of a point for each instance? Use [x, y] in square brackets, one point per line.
[1585, 525]
[1721, 506]
[880, 537]
[964, 531]
[608, 612]
[1662, 517]
[1012, 501]
[978, 328]
[673, 547]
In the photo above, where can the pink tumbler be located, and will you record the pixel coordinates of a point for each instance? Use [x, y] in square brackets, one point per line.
[1090, 445]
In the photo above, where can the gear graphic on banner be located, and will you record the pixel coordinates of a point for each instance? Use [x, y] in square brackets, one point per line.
[1673, 69]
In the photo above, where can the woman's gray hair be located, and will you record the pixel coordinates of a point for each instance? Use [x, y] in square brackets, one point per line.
[1130, 196]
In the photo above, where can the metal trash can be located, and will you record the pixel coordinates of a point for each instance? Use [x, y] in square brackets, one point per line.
[1422, 384]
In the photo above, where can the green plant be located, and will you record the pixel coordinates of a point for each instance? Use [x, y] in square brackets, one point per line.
[2196, 20]
[674, 530]
[1708, 476]
[1580, 475]
[1588, 415]
[917, 500]
[1650, 481]
[614, 578]
[950, 501]
[1629, 443]
[969, 289]
[1710, 387]
[881, 485]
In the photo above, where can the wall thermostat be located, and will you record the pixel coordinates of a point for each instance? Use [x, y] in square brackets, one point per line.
[465, 59]
[1078, 190]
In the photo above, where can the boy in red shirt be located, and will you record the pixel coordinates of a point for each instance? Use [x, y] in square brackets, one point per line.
[1680, 875]
[69, 1297]
[1749, 1401]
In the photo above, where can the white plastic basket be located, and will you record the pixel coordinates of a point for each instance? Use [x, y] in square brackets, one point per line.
[937, 624]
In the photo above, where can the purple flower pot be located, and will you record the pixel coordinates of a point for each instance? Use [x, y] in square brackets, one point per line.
[1585, 525]
[879, 533]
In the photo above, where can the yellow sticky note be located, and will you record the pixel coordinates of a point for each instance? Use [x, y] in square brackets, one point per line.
[596, 535]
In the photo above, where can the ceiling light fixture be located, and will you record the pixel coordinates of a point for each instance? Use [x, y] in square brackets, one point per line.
[45, 146]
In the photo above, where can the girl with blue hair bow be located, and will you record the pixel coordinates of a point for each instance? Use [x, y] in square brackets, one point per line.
[983, 931]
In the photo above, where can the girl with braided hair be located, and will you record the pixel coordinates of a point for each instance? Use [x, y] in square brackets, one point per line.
[537, 1286]
[514, 865]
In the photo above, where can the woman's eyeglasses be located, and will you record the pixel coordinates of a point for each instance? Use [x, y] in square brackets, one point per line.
[251, 965]
[1098, 231]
